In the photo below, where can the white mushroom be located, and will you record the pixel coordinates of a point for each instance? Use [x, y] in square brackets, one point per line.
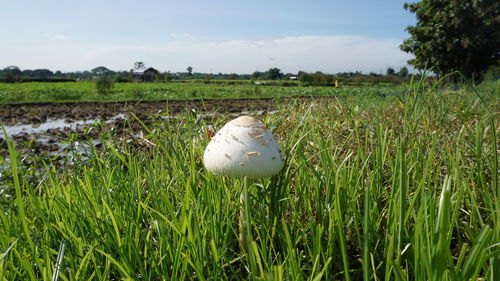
[244, 147]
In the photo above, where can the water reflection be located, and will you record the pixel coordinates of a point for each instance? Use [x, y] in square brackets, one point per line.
[52, 124]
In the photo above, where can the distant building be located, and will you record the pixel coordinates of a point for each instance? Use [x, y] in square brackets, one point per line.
[147, 75]
[293, 78]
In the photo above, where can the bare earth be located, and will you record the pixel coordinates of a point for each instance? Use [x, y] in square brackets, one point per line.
[36, 138]
[16, 114]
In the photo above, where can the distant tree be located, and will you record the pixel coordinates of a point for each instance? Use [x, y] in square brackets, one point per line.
[189, 70]
[318, 79]
[454, 36]
[233, 76]
[86, 74]
[13, 71]
[288, 76]
[305, 77]
[139, 65]
[403, 72]
[10, 74]
[42, 73]
[167, 76]
[28, 73]
[274, 74]
[390, 71]
[257, 75]
[100, 71]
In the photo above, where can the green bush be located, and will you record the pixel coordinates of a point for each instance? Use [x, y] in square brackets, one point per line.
[104, 85]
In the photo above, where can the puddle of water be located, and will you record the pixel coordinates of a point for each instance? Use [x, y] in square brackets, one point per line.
[52, 124]
[72, 125]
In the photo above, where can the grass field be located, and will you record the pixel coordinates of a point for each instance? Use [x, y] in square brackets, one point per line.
[376, 188]
[86, 91]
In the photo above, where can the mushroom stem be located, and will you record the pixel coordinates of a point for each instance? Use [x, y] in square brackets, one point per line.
[244, 215]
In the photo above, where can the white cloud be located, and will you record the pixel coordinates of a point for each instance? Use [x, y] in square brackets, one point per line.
[182, 36]
[330, 54]
[54, 36]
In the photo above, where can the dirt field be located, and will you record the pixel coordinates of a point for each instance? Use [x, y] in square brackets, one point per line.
[37, 113]
[44, 128]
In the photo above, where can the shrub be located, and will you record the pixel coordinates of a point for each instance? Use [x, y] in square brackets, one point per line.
[104, 85]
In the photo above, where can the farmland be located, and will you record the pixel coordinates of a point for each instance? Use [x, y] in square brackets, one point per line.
[377, 185]
[86, 91]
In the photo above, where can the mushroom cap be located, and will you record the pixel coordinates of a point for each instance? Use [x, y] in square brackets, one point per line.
[244, 147]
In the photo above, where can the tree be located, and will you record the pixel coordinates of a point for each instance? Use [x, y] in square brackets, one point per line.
[257, 75]
[13, 71]
[42, 73]
[27, 73]
[390, 71]
[274, 74]
[403, 72]
[189, 70]
[101, 71]
[167, 76]
[305, 77]
[139, 65]
[232, 76]
[454, 36]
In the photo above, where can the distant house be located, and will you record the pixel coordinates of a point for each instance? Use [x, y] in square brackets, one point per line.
[294, 77]
[147, 75]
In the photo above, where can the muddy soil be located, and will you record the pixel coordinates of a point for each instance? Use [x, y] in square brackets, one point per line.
[15, 114]
[53, 140]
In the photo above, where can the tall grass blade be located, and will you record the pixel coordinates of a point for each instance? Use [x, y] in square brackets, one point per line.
[60, 255]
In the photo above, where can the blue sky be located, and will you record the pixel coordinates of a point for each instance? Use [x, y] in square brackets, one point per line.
[211, 36]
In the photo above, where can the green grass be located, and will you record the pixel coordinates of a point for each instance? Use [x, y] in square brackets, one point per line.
[86, 91]
[396, 188]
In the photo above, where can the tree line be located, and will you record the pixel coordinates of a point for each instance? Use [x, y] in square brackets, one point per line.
[15, 74]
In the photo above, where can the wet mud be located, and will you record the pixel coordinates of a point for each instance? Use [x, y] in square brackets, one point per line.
[15, 114]
[48, 128]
